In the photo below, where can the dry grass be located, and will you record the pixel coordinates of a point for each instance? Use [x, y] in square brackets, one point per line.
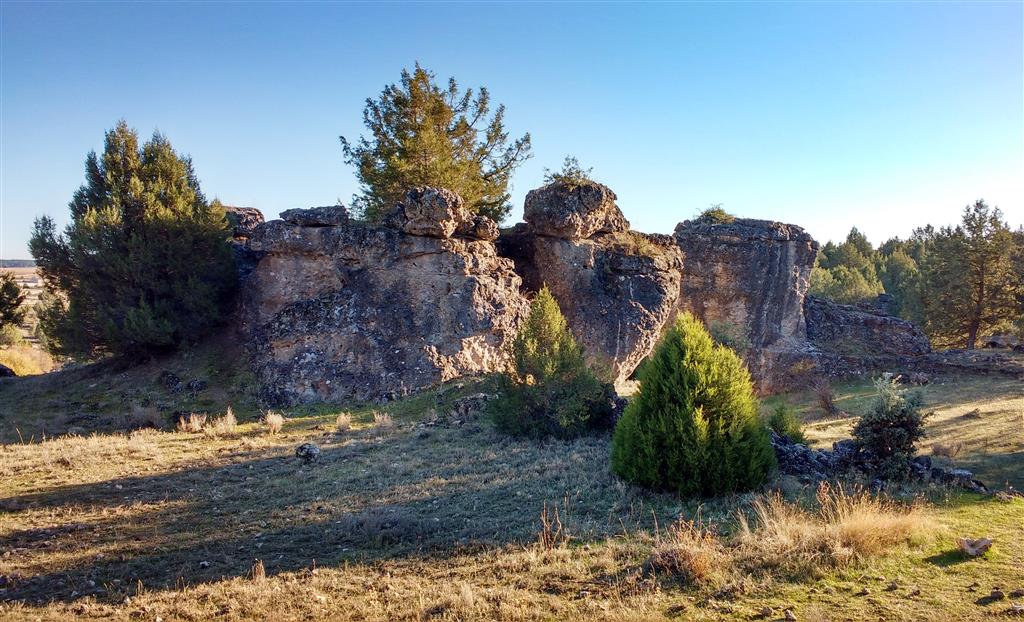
[984, 414]
[273, 422]
[825, 395]
[842, 529]
[193, 423]
[947, 450]
[382, 420]
[343, 422]
[439, 521]
[223, 425]
[690, 552]
[26, 360]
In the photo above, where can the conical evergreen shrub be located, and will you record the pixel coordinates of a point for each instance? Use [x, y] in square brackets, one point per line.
[693, 427]
[549, 391]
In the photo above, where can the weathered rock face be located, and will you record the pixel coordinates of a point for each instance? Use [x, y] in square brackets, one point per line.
[347, 310]
[616, 287]
[573, 213]
[861, 330]
[749, 277]
[242, 220]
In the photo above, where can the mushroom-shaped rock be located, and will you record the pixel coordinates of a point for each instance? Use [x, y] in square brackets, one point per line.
[573, 212]
[429, 212]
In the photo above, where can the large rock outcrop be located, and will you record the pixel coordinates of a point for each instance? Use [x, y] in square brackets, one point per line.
[337, 309]
[747, 278]
[616, 287]
[862, 330]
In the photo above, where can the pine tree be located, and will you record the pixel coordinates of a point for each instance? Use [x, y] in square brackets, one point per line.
[549, 391]
[693, 427]
[11, 298]
[423, 135]
[969, 284]
[144, 263]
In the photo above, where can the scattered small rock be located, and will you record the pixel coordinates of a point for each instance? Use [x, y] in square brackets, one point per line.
[1016, 609]
[204, 564]
[863, 592]
[1017, 594]
[195, 386]
[997, 594]
[308, 452]
[790, 615]
[892, 587]
[765, 613]
[914, 592]
[974, 547]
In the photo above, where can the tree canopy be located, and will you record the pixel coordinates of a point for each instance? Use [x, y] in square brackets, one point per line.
[144, 262]
[11, 299]
[421, 134]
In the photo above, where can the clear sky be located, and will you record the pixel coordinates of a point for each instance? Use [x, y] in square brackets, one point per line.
[825, 114]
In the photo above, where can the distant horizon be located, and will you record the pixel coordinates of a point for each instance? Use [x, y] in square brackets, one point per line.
[880, 116]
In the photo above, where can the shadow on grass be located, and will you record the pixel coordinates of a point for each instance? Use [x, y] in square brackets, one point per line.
[370, 498]
[948, 558]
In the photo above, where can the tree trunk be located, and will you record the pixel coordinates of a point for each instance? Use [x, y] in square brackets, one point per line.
[979, 305]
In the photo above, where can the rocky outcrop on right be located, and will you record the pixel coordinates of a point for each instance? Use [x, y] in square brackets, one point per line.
[861, 330]
[617, 288]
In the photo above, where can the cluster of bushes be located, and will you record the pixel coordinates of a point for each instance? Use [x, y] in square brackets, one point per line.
[692, 429]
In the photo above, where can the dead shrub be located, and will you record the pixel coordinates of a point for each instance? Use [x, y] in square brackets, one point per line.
[225, 424]
[258, 572]
[382, 420]
[947, 450]
[552, 533]
[273, 421]
[689, 552]
[192, 422]
[825, 396]
[840, 530]
[144, 417]
[343, 423]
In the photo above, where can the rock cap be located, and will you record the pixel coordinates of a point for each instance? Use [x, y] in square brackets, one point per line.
[324, 216]
[242, 220]
[573, 212]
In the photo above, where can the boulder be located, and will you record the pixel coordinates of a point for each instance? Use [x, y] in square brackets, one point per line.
[616, 290]
[748, 278]
[242, 220]
[436, 213]
[324, 216]
[861, 330]
[354, 311]
[6, 372]
[573, 212]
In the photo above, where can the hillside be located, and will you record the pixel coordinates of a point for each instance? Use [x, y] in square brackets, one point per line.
[428, 513]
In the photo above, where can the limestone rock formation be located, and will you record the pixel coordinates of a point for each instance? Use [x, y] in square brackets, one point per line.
[573, 212]
[861, 330]
[432, 212]
[616, 287]
[349, 310]
[748, 278]
[324, 216]
[242, 220]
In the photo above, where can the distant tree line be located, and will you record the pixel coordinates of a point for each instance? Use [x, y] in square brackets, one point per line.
[959, 283]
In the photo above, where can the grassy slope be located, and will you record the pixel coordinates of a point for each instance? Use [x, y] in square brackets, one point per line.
[433, 521]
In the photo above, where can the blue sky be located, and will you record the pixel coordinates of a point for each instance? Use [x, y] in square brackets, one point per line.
[825, 114]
